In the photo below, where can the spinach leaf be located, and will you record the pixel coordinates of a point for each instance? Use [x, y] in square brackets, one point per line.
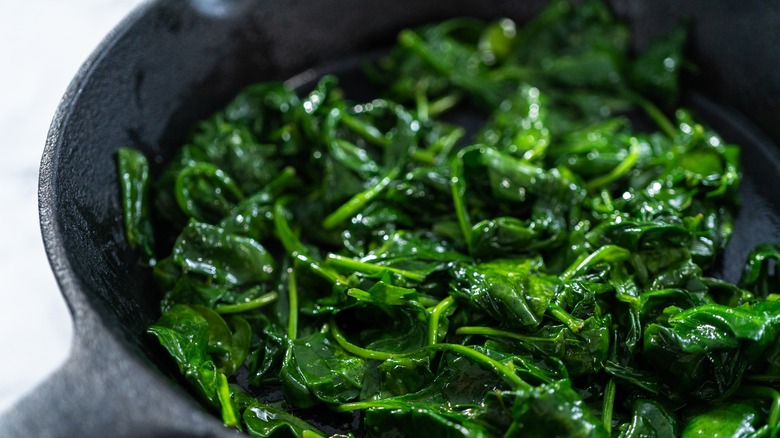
[513, 236]
[135, 180]
[650, 419]
[736, 419]
[185, 334]
[316, 368]
[554, 410]
[223, 257]
[512, 291]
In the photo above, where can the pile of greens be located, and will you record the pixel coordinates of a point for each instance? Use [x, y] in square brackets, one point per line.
[513, 240]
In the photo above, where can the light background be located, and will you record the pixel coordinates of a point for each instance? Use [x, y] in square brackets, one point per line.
[42, 45]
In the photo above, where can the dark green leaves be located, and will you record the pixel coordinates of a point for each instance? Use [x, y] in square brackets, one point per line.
[512, 291]
[737, 419]
[758, 276]
[227, 347]
[195, 185]
[493, 245]
[225, 258]
[316, 368]
[554, 410]
[185, 334]
[657, 70]
[410, 420]
[715, 325]
[266, 421]
[134, 182]
[650, 419]
[706, 349]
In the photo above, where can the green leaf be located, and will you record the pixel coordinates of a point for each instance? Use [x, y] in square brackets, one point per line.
[554, 410]
[519, 128]
[316, 369]
[184, 333]
[735, 419]
[757, 275]
[228, 347]
[512, 291]
[657, 69]
[205, 192]
[225, 258]
[503, 236]
[412, 421]
[716, 326]
[650, 419]
[706, 349]
[266, 421]
[135, 184]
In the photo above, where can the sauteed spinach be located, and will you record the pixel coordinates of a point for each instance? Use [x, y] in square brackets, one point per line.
[513, 238]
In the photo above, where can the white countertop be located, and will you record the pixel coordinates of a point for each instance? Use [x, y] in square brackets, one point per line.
[42, 45]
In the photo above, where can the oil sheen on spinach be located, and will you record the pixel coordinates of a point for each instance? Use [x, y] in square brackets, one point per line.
[384, 269]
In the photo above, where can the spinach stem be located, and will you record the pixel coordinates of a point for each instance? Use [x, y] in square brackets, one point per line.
[371, 168]
[374, 136]
[607, 253]
[354, 205]
[506, 372]
[421, 100]
[369, 268]
[289, 241]
[424, 156]
[428, 301]
[609, 405]
[410, 39]
[368, 404]
[354, 349]
[493, 332]
[434, 316]
[773, 418]
[296, 249]
[262, 300]
[368, 132]
[476, 86]
[275, 187]
[619, 170]
[443, 104]
[292, 319]
[444, 144]
[268, 193]
[229, 416]
[763, 378]
[651, 110]
[574, 324]
[327, 274]
[458, 185]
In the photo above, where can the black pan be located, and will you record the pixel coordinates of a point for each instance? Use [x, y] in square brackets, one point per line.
[173, 62]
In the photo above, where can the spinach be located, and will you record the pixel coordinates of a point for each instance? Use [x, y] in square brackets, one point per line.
[544, 272]
[318, 369]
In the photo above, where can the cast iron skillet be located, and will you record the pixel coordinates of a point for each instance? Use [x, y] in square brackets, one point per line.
[172, 62]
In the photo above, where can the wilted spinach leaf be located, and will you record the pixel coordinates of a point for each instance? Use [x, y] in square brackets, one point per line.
[498, 243]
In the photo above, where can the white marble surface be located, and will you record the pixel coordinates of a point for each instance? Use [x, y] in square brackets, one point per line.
[42, 45]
